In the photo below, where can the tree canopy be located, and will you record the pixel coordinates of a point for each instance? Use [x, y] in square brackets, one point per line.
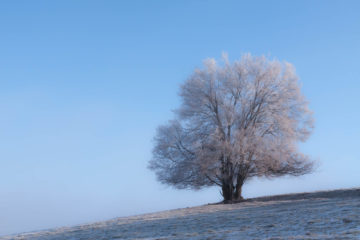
[236, 121]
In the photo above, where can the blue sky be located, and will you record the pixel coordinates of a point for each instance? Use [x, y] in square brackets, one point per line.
[84, 84]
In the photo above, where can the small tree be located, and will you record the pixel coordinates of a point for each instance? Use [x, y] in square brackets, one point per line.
[236, 121]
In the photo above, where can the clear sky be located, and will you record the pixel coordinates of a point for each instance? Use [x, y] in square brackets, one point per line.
[84, 84]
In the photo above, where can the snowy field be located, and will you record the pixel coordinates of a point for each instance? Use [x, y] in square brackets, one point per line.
[319, 215]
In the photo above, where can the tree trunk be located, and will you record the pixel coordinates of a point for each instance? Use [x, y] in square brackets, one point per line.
[238, 188]
[237, 193]
[227, 192]
[232, 193]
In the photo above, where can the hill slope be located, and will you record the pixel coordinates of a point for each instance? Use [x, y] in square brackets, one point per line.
[317, 215]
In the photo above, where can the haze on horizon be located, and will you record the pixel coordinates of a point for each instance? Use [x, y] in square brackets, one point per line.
[85, 84]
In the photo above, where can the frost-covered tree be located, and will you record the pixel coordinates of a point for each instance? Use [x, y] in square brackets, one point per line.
[237, 121]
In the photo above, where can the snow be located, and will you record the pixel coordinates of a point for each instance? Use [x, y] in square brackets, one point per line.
[319, 215]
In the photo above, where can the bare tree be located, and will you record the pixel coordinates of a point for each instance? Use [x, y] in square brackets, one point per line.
[237, 121]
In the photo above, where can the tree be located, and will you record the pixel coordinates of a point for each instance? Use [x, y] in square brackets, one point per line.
[236, 121]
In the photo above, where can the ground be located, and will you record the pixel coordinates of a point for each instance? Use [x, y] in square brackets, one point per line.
[319, 215]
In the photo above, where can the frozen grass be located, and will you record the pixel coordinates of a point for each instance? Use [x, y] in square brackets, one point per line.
[318, 215]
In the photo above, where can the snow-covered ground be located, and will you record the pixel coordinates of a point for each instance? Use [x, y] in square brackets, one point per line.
[319, 215]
